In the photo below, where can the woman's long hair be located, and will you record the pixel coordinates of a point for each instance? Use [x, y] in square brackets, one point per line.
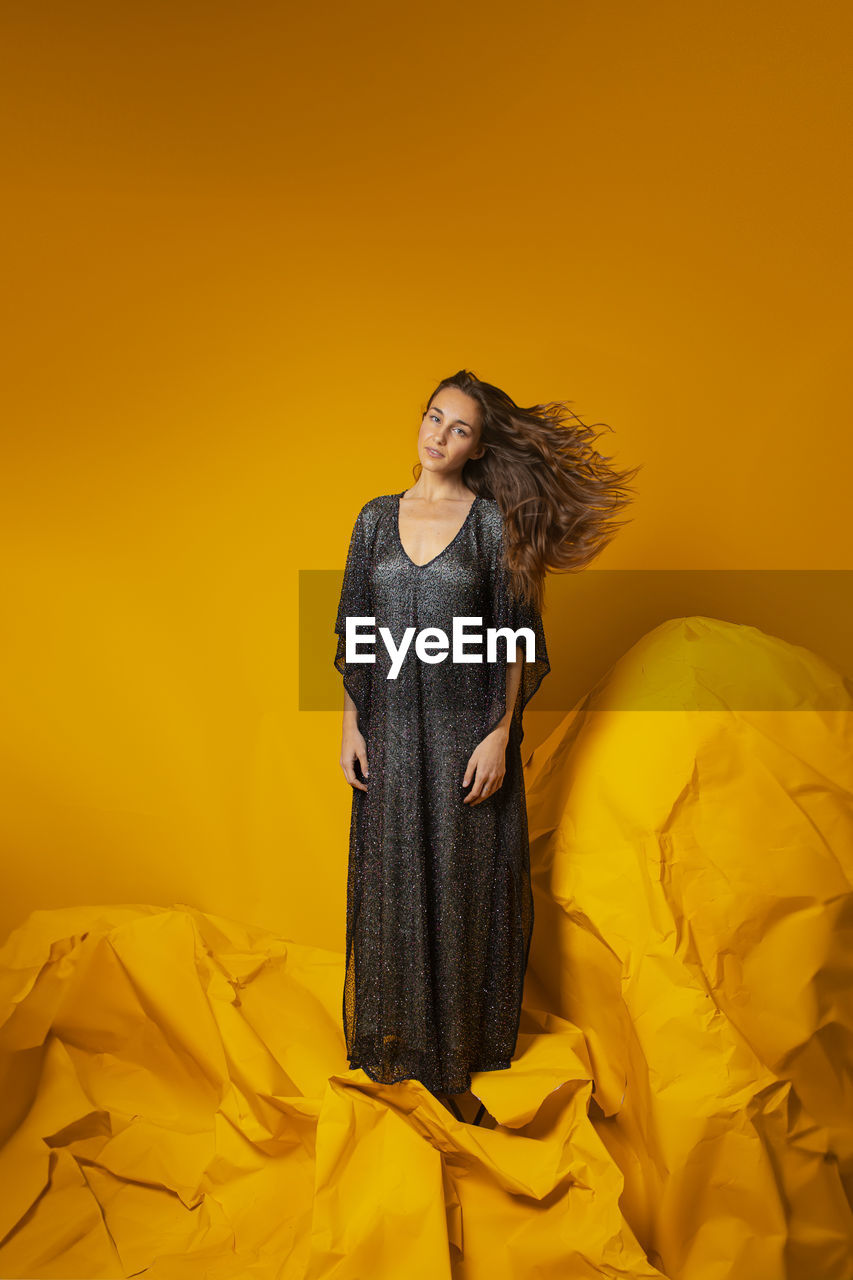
[556, 492]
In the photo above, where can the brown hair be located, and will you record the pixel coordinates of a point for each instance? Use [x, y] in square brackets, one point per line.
[556, 492]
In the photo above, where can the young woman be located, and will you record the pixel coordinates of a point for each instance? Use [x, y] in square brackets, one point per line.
[439, 898]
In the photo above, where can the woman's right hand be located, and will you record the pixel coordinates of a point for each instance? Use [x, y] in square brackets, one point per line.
[353, 747]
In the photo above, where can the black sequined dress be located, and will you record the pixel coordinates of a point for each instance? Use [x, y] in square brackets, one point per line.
[439, 901]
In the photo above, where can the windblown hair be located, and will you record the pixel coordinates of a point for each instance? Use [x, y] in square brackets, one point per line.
[557, 495]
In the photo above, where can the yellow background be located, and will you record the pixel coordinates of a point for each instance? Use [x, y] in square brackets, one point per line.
[242, 245]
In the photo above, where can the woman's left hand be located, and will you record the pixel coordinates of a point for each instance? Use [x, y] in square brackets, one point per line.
[486, 767]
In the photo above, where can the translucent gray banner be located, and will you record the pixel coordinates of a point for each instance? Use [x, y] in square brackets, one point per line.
[655, 639]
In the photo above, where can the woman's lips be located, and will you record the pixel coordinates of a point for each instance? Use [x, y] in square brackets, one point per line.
[434, 453]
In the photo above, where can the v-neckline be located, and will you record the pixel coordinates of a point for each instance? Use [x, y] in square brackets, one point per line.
[454, 539]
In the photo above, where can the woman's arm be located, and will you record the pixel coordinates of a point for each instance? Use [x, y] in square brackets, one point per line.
[353, 745]
[513, 680]
[487, 765]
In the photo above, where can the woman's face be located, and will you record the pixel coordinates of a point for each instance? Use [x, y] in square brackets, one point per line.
[450, 432]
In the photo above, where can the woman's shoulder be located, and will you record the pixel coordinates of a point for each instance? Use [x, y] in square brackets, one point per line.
[374, 506]
[489, 505]
[371, 511]
[491, 514]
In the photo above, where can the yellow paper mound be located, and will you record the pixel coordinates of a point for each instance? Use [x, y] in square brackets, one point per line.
[176, 1100]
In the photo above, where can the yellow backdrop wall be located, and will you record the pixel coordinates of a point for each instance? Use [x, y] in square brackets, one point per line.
[245, 243]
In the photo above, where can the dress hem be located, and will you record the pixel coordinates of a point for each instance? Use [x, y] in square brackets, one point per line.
[502, 1064]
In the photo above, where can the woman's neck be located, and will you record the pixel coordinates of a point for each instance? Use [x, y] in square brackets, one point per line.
[431, 490]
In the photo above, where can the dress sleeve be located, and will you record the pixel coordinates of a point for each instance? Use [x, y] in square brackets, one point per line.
[505, 610]
[355, 601]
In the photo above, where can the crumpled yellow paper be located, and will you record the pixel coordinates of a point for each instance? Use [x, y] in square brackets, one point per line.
[176, 1100]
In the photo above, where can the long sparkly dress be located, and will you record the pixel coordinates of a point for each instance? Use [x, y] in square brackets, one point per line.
[439, 901]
